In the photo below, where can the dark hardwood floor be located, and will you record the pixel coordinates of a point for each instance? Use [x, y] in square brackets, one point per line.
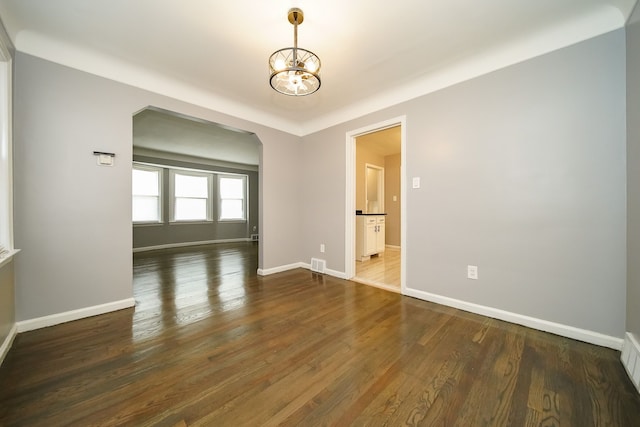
[210, 343]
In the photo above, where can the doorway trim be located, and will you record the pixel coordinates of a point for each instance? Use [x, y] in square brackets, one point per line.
[350, 195]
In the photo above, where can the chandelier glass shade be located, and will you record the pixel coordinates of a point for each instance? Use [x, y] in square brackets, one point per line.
[294, 71]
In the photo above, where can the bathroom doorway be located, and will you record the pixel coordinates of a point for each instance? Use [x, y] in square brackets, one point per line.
[376, 196]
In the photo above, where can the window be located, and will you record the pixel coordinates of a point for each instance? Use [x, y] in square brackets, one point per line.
[191, 196]
[232, 192]
[146, 194]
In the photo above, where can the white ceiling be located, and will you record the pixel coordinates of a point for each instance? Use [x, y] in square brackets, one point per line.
[374, 53]
[172, 133]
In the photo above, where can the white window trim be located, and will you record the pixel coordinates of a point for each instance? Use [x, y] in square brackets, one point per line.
[172, 196]
[145, 167]
[6, 156]
[245, 196]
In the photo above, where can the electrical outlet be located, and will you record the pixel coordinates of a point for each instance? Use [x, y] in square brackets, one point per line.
[322, 247]
[472, 272]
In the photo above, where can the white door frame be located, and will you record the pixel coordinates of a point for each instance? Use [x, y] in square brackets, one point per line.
[350, 197]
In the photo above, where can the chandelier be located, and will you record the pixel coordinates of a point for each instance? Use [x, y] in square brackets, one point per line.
[294, 71]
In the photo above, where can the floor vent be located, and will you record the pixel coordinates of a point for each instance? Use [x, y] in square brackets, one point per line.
[318, 265]
[255, 237]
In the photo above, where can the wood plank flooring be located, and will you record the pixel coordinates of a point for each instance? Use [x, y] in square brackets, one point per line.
[381, 270]
[209, 343]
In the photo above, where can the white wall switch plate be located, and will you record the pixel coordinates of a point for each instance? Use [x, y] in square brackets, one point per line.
[322, 247]
[472, 272]
[416, 182]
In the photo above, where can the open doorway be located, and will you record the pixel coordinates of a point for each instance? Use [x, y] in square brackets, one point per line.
[200, 182]
[195, 217]
[375, 205]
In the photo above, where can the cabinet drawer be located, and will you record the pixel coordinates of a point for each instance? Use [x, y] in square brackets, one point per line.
[380, 220]
[371, 220]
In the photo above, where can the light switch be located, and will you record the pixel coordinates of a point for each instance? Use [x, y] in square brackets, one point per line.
[416, 182]
[395, 198]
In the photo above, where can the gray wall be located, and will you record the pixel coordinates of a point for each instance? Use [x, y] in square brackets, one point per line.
[633, 174]
[73, 218]
[523, 175]
[165, 233]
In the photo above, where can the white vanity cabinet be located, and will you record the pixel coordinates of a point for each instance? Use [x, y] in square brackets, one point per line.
[369, 236]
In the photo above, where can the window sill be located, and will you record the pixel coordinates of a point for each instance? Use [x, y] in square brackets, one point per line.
[232, 221]
[147, 224]
[195, 222]
[6, 259]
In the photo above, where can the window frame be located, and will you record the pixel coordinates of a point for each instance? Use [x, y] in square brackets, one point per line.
[172, 195]
[245, 194]
[6, 153]
[160, 171]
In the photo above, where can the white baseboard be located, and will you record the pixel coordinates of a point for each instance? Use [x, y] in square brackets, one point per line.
[335, 273]
[8, 341]
[280, 269]
[531, 322]
[68, 316]
[630, 358]
[185, 244]
[330, 272]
